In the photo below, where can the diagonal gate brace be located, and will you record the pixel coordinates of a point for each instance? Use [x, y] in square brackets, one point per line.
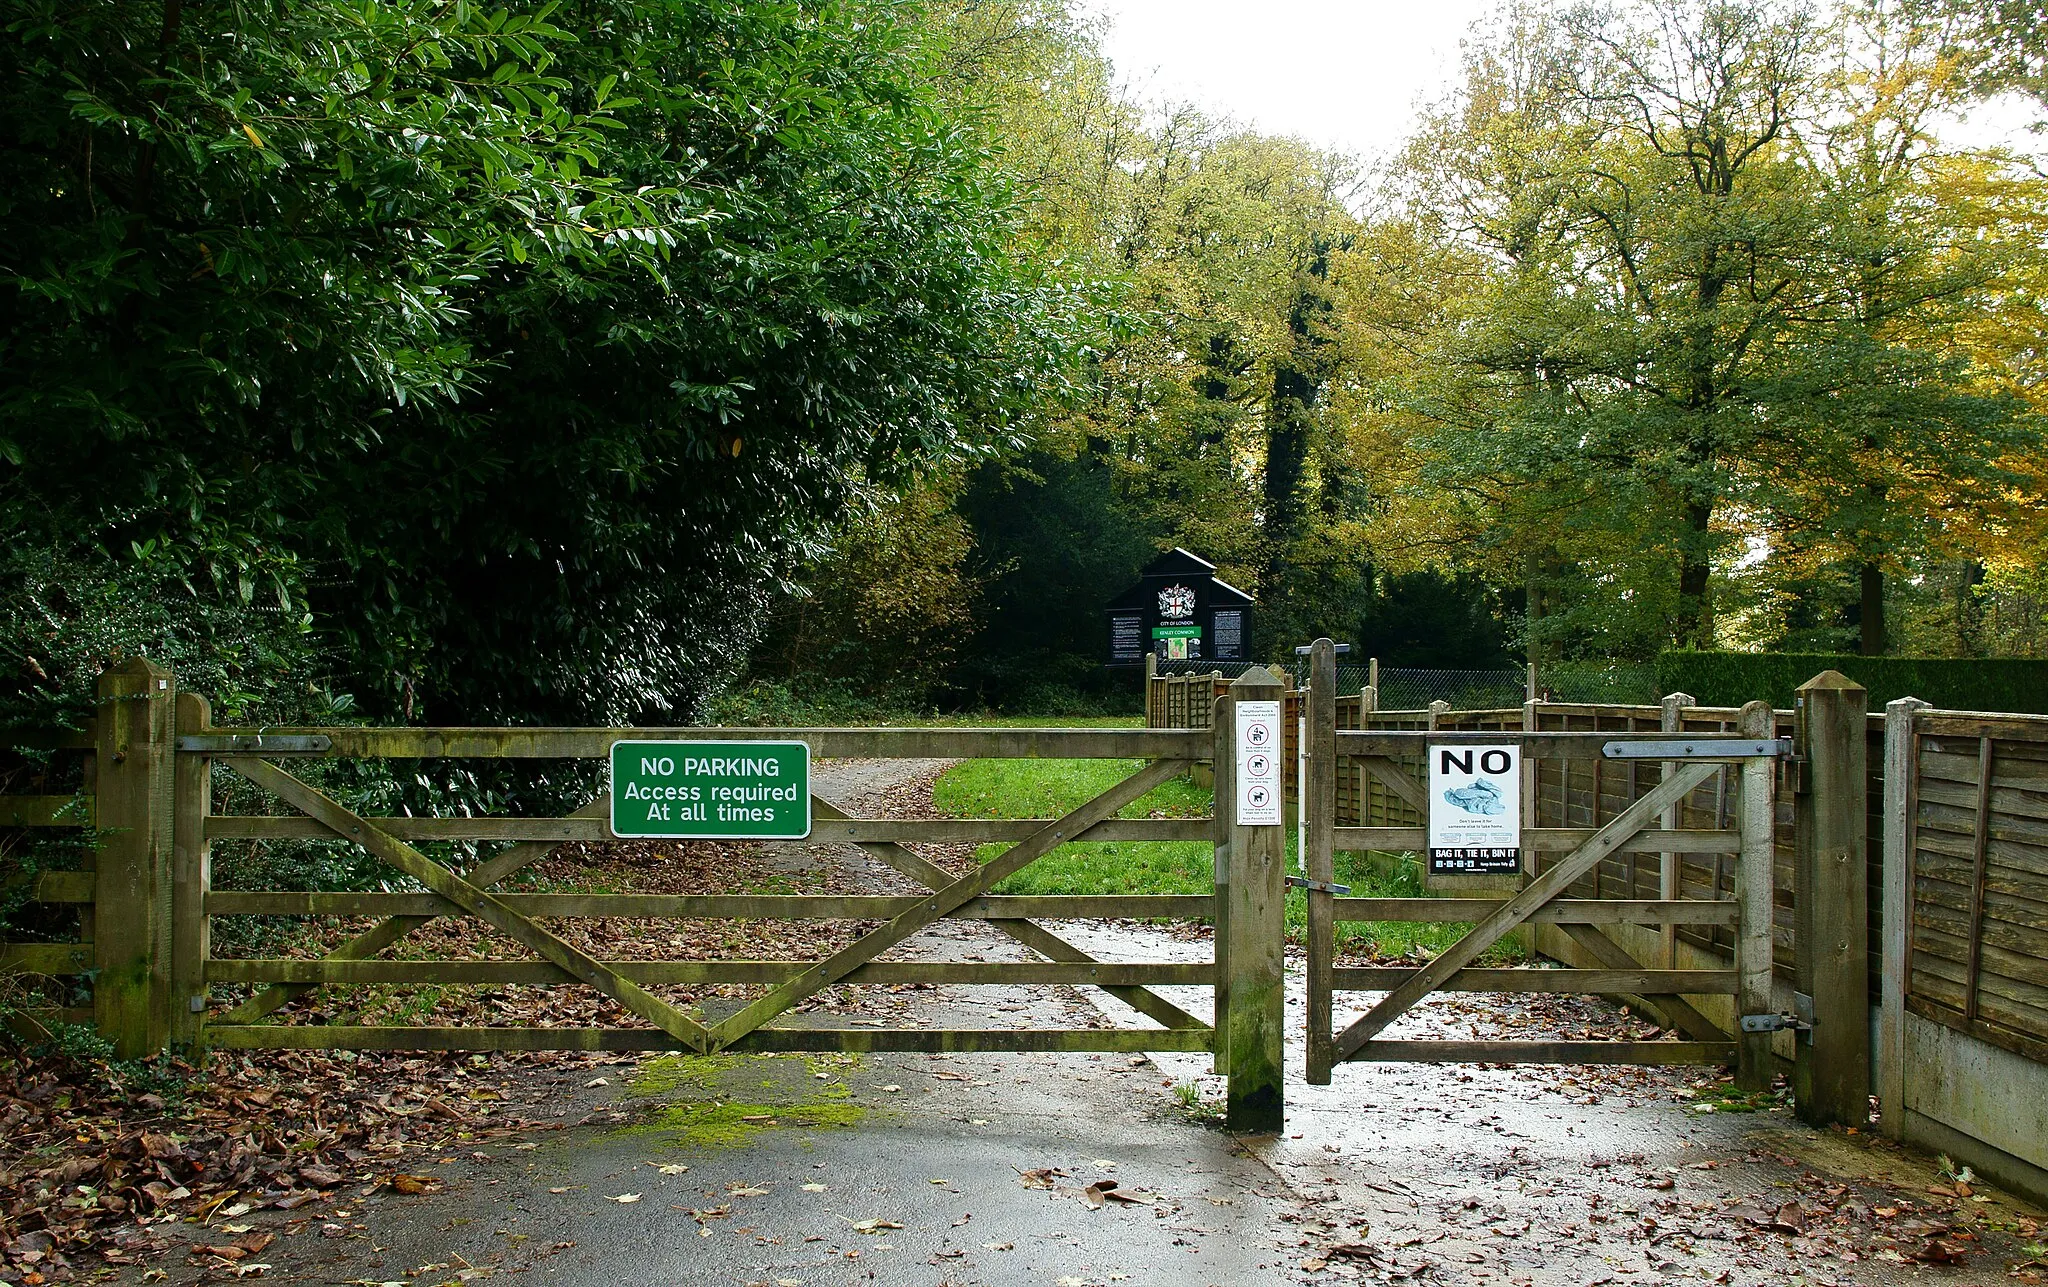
[1519, 908]
[944, 902]
[1031, 934]
[391, 929]
[483, 906]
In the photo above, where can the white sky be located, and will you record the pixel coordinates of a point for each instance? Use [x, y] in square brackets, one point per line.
[1342, 74]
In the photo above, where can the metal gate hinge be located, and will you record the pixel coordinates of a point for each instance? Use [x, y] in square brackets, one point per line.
[1775, 1023]
[1320, 886]
[1698, 748]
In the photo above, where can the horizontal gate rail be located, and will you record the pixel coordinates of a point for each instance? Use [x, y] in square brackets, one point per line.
[1120, 1041]
[544, 973]
[880, 907]
[825, 743]
[1543, 840]
[1540, 980]
[1561, 911]
[1535, 745]
[941, 831]
[1676, 1053]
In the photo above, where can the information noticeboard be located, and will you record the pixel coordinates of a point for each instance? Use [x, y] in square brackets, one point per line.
[1475, 810]
[711, 790]
[1259, 748]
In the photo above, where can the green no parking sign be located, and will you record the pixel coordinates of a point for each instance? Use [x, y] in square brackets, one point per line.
[711, 790]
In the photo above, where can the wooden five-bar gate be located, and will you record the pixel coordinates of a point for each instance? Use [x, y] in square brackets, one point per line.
[149, 901]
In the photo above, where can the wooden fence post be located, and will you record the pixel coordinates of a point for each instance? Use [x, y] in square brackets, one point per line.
[191, 878]
[132, 887]
[1252, 1027]
[1151, 673]
[1901, 790]
[1223, 789]
[1671, 719]
[1831, 1074]
[1318, 858]
[1753, 892]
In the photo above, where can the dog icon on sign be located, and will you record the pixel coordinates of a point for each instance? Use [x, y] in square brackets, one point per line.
[1258, 797]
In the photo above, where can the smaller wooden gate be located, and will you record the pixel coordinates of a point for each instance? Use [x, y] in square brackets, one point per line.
[1554, 859]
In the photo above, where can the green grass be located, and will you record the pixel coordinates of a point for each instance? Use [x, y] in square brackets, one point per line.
[1050, 788]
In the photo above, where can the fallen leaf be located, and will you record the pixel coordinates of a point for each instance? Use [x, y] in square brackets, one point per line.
[1941, 1251]
[1039, 1177]
[814, 1188]
[673, 1168]
[624, 1198]
[874, 1226]
[739, 1190]
[1791, 1218]
[892, 1089]
[410, 1184]
[1000, 1246]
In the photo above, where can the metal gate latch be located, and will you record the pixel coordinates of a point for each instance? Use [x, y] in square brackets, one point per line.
[1320, 886]
[1775, 1023]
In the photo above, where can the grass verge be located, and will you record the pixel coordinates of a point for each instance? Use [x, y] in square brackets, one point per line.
[1050, 788]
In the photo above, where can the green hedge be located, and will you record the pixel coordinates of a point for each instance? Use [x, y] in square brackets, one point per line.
[1971, 684]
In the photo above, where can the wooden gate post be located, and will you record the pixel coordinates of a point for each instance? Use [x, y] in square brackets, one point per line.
[1670, 719]
[1901, 791]
[191, 877]
[1754, 887]
[1251, 1027]
[1831, 1073]
[135, 760]
[1318, 804]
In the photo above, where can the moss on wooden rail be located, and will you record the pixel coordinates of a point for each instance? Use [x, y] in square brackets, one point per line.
[45, 811]
[46, 958]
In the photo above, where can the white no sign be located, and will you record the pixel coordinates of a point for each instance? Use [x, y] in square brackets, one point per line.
[1259, 747]
[1475, 810]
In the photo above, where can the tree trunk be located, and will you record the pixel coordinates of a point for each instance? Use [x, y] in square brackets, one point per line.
[1871, 642]
[1695, 624]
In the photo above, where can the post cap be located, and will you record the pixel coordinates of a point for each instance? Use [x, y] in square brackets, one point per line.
[1257, 675]
[1831, 679]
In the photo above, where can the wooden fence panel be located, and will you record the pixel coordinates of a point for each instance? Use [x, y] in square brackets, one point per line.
[1977, 939]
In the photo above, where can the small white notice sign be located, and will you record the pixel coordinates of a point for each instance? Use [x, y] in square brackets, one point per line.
[1475, 810]
[1259, 747]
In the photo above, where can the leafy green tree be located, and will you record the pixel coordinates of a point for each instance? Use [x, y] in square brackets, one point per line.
[1709, 317]
[523, 348]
